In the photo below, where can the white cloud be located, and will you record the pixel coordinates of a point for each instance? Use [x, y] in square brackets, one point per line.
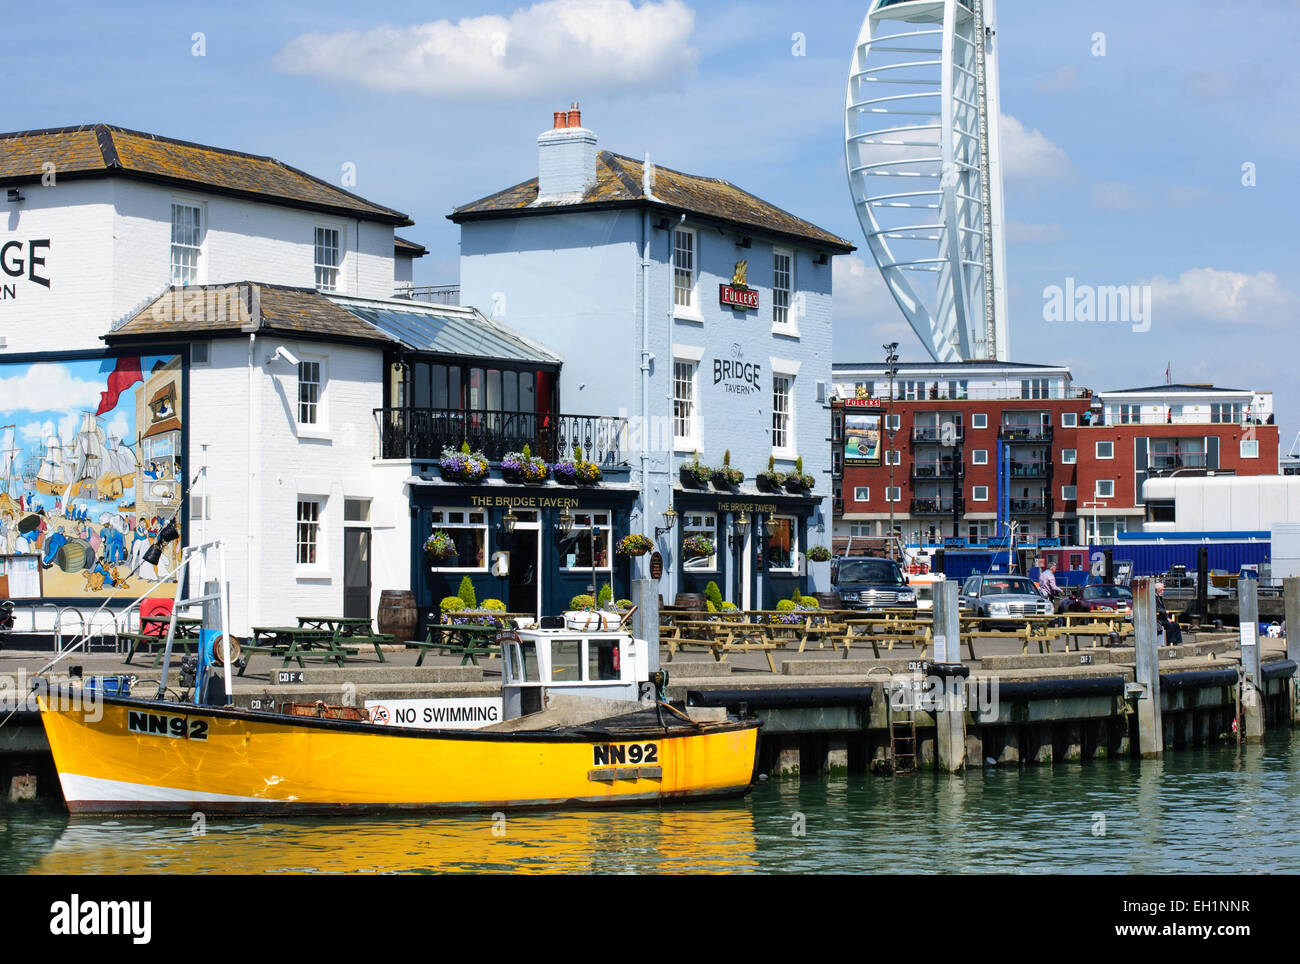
[556, 48]
[1119, 196]
[866, 315]
[44, 387]
[1028, 154]
[1062, 79]
[1211, 295]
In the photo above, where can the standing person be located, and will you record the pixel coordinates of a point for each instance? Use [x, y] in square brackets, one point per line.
[1166, 624]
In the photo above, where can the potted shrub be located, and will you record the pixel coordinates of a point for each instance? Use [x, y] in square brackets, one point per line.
[796, 481]
[634, 545]
[694, 474]
[770, 480]
[463, 465]
[726, 477]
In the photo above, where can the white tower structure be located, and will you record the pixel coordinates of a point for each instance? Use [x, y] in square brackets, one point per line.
[921, 146]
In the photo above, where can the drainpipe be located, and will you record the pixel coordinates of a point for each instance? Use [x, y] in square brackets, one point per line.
[669, 394]
[646, 356]
[249, 568]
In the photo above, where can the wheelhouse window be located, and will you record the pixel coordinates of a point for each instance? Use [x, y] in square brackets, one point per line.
[782, 543]
[327, 259]
[468, 531]
[187, 235]
[576, 552]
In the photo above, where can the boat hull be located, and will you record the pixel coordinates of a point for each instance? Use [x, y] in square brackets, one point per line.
[120, 755]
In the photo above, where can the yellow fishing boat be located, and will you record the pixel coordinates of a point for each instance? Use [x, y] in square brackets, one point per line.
[119, 754]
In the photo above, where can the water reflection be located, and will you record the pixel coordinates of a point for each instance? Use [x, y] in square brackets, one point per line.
[695, 840]
[1211, 810]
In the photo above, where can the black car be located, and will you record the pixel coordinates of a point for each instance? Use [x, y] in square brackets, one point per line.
[871, 582]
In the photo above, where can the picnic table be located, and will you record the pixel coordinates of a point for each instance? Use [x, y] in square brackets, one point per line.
[722, 636]
[153, 632]
[345, 629]
[471, 641]
[293, 642]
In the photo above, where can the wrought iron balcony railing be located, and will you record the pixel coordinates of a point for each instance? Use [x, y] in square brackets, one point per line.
[423, 433]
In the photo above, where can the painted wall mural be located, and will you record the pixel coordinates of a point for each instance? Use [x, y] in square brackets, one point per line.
[90, 471]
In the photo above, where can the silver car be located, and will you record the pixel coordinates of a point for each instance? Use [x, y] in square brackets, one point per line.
[991, 595]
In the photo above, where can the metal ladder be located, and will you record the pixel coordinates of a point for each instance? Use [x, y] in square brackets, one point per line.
[902, 739]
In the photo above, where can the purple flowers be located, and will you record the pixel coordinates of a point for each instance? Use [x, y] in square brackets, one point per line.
[463, 466]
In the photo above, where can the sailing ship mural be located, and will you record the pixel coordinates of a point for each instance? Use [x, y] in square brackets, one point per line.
[90, 471]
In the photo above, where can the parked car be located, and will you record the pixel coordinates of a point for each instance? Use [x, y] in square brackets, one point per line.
[994, 594]
[871, 582]
[1100, 596]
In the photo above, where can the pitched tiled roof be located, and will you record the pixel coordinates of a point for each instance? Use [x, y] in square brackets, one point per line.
[179, 312]
[412, 249]
[102, 150]
[618, 183]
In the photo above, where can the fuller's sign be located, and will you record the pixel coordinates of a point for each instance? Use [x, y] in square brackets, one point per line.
[739, 294]
[733, 297]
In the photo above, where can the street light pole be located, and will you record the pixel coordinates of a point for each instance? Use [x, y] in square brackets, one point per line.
[891, 368]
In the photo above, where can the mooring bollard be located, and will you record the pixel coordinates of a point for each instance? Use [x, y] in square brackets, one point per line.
[1151, 734]
[645, 621]
[1291, 617]
[950, 717]
[1252, 694]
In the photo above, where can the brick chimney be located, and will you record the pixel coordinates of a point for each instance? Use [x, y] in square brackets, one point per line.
[566, 158]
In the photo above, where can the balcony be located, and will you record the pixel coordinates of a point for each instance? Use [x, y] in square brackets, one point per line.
[1029, 469]
[1025, 433]
[429, 294]
[935, 505]
[937, 433]
[422, 434]
[941, 469]
[1037, 505]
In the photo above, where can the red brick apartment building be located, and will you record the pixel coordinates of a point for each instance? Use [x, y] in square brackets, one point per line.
[961, 451]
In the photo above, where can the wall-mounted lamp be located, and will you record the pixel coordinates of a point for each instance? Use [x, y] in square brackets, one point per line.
[663, 224]
[509, 519]
[670, 519]
[740, 529]
[15, 195]
[564, 523]
[742, 242]
[823, 258]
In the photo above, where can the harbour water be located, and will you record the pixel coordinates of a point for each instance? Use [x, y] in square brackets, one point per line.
[1213, 810]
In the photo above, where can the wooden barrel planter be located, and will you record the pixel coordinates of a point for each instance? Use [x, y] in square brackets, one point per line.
[691, 600]
[398, 614]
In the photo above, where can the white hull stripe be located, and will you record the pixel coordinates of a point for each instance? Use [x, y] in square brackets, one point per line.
[76, 787]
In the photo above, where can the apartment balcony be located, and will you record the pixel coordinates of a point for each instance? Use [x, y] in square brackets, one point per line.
[423, 433]
[937, 433]
[1036, 505]
[942, 469]
[937, 505]
[1029, 469]
[1025, 433]
[430, 294]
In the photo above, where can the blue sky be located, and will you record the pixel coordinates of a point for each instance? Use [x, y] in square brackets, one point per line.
[1121, 169]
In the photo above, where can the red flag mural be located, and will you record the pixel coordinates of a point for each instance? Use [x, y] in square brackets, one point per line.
[122, 377]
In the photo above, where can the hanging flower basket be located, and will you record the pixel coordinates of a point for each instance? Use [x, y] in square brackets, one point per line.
[459, 466]
[634, 545]
[440, 546]
[819, 554]
[697, 547]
